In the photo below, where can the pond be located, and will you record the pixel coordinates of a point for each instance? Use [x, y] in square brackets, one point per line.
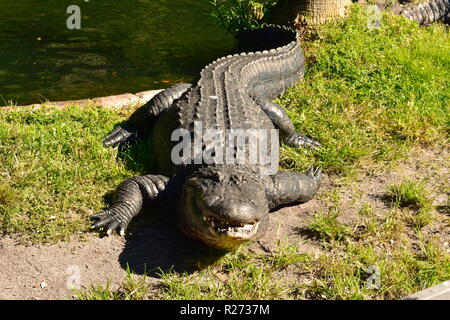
[121, 46]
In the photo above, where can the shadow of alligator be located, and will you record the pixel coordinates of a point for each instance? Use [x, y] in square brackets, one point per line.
[160, 247]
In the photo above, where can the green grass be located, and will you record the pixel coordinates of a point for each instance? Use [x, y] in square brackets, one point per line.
[327, 227]
[413, 196]
[238, 275]
[349, 270]
[132, 288]
[54, 170]
[347, 275]
[370, 95]
[409, 194]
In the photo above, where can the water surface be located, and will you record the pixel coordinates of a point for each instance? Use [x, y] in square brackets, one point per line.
[122, 46]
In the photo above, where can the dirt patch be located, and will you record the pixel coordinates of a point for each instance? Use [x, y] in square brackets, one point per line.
[43, 271]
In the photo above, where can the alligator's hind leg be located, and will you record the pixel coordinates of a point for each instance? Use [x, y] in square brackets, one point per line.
[129, 199]
[140, 121]
[291, 187]
[281, 121]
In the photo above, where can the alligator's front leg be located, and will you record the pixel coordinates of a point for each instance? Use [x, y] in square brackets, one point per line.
[290, 187]
[128, 203]
[281, 121]
[140, 122]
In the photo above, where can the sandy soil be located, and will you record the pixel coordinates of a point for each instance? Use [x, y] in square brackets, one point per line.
[44, 271]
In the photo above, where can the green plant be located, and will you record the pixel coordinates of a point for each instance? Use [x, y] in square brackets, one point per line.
[326, 226]
[236, 15]
[133, 287]
[284, 256]
[409, 194]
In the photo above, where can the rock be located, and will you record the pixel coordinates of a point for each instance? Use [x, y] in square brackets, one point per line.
[118, 101]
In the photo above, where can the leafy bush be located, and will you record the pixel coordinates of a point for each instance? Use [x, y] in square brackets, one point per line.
[236, 15]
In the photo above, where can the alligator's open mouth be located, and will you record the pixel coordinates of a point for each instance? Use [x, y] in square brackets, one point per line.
[231, 229]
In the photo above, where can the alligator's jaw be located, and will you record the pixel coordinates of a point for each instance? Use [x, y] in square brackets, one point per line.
[238, 231]
[221, 236]
[221, 242]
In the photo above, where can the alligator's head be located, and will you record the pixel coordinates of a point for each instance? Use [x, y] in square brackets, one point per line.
[223, 207]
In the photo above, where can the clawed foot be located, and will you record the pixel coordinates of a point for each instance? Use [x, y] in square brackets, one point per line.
[119, 134]
[112, 219]
[130, 197]
[315, 174]
[296, 140]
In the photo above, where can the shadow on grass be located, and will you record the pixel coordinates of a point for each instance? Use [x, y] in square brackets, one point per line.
[308, 233]
[137, 155]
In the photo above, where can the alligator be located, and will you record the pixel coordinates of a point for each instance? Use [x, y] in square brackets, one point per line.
[427, 12]
[224, 204]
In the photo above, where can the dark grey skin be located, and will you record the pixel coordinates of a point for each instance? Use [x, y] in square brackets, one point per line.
[224, 205]
[429, 12]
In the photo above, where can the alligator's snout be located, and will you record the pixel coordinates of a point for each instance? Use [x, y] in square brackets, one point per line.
[236, 211]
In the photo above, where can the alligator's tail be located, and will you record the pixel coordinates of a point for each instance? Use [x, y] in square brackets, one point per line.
[429, 12]
[271, 60]
[277, 64]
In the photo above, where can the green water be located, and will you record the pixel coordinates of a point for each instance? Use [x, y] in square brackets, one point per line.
[122, 46]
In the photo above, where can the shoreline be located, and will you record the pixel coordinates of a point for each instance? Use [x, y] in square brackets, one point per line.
[114, 101]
